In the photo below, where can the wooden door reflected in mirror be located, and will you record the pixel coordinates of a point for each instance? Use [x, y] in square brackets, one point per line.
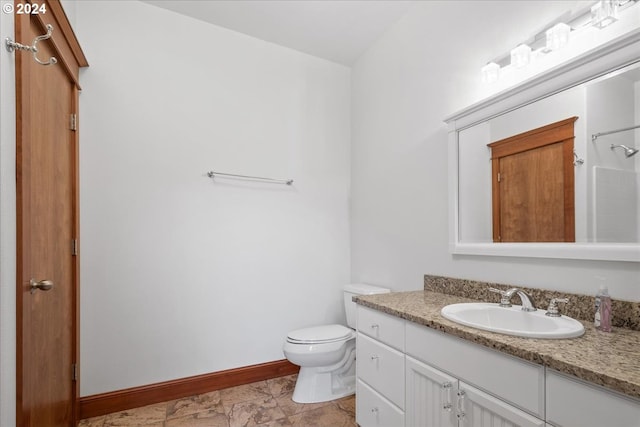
[533, 185]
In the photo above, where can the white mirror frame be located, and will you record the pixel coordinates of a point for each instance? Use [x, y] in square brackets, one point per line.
[606, 58]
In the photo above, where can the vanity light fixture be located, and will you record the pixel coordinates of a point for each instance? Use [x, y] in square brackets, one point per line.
[520, 56]
[604, 13]
[557, 36]
[490, 72]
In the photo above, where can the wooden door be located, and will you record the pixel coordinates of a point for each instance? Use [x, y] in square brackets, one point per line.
[47, 224]
[533, 185]
[532, 196]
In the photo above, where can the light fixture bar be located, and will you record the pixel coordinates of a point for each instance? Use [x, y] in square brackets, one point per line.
[577, 20]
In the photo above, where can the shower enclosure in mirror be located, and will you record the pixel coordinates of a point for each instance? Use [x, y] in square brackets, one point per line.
[599, 94]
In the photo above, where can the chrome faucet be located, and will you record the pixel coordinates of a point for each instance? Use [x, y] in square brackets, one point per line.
[505, 298]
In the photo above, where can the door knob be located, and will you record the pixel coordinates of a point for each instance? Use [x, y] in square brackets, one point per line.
[43, 285]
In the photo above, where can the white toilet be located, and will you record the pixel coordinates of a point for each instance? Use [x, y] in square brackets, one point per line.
[326, 354]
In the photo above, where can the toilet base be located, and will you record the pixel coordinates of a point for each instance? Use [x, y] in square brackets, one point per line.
[314, 387]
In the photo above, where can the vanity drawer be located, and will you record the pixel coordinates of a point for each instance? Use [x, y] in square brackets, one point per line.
[374, 410]
[381, 326]
[381, 367]
[571, 402]
[514, 380]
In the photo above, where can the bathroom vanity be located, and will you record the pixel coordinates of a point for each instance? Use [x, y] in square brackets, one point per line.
[415, 368]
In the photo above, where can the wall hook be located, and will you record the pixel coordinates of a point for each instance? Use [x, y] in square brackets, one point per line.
[11, 46]
[577, 160]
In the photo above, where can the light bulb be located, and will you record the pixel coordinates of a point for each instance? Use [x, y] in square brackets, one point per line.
[521, 56]
[490, 72]
[557, 36]
[604, 13]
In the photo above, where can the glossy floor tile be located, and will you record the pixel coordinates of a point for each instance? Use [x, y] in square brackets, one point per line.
[265, 403]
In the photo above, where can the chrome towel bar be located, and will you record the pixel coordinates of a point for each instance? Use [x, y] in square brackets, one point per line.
[213, 174]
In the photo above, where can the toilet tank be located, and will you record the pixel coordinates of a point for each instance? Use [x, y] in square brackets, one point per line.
[358, 289]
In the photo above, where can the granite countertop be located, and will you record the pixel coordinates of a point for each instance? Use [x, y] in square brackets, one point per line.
[610, 359]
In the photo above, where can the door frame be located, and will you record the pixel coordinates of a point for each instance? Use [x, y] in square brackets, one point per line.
[70, 56]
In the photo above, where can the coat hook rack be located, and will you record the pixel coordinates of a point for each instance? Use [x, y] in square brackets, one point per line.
[577, 160]
[11, 46]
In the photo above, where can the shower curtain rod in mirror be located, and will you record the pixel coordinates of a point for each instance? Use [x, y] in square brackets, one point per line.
[596, 135]
[213, 174]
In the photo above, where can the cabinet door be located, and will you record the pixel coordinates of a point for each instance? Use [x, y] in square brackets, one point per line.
[571, 402]
[479, 409]
[429, 396]
[487, 369]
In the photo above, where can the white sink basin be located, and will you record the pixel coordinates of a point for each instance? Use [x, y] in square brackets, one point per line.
[513, 321]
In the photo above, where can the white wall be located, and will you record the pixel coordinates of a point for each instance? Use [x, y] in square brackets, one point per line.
[7, 228]
[424, 68]
[475, 185]
[182, 275]
[611, 105]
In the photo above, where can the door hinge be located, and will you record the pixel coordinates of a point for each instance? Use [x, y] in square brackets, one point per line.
[73, 122]
[74, 372]
[74, 247]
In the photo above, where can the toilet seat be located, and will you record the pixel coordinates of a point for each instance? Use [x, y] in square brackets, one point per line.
[320, 334]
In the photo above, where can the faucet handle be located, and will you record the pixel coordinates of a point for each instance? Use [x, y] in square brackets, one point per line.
[552, 310]
[504, 297]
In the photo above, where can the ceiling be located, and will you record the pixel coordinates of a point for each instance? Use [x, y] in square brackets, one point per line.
[339, 31]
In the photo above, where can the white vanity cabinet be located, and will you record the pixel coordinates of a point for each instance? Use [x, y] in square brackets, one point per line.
[571, 402]
[517, 382]
[414, 376]
[379, 369]
[438, 398]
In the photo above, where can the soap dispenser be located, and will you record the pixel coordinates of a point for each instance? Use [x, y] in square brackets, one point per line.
[602, 318]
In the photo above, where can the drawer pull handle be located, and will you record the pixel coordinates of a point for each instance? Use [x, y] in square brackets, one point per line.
[375, 357]
[446, 396]
[461, 396]
[374, 410]
[375, 326]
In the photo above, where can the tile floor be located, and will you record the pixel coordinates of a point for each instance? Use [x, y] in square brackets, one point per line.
[265, 403]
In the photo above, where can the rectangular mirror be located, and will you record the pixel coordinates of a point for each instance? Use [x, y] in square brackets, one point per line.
[603, 97]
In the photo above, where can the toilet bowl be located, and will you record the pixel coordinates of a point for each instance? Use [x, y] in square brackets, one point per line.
[326, 354]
